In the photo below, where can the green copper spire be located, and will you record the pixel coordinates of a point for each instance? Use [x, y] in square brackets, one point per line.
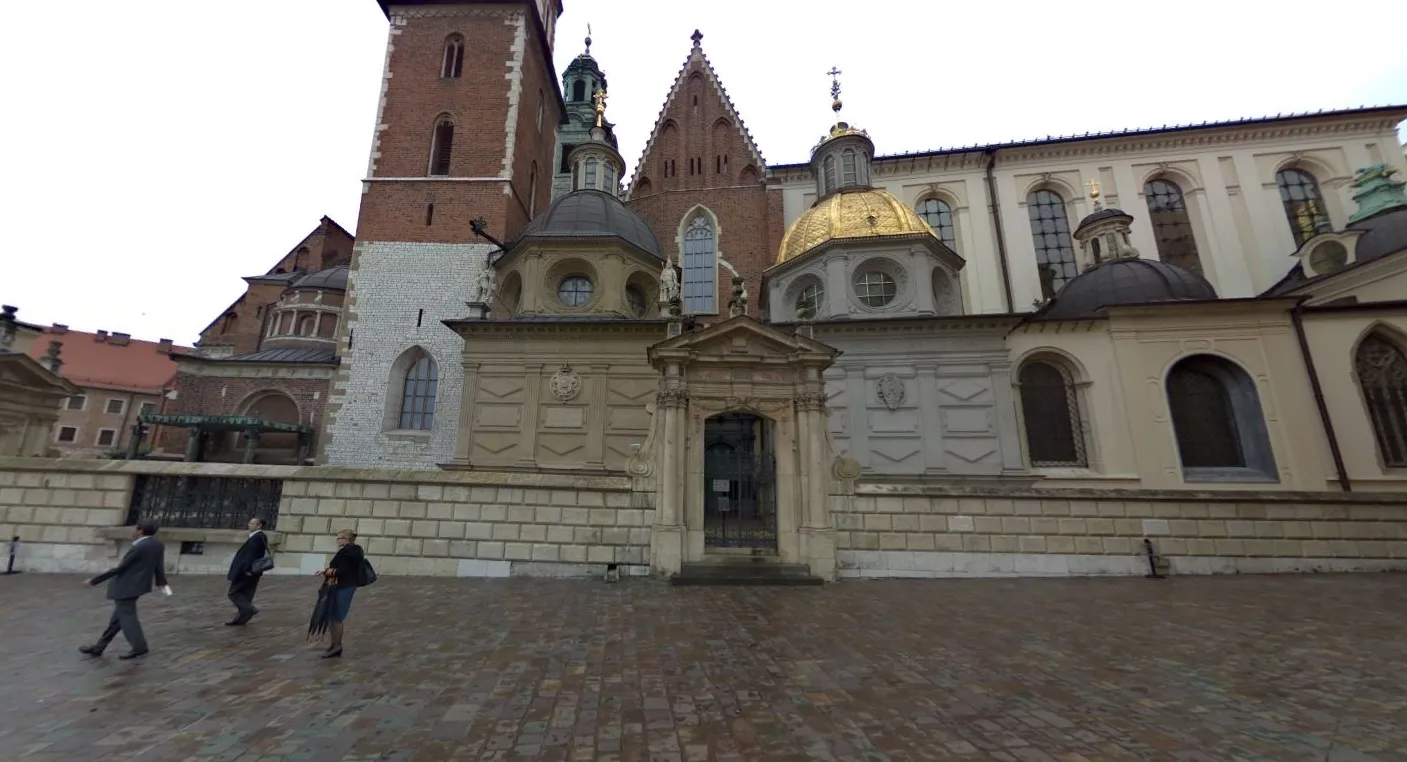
[1375, 191]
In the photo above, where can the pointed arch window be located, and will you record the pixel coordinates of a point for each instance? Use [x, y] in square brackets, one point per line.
[1172, 227]
[1304, 206]
[418, 394]
[442, 147]
[1382, 375]
[452, 65]
[700, 266]
[829, 169]
[847, 168]
[1050, 232]
[939, 216]
[1050, 410]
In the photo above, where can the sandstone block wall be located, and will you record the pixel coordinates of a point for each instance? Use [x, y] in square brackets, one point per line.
[58, 515]
[447, 528]
[911, 532]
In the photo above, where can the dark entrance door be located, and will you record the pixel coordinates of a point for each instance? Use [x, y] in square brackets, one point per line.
[740, 483]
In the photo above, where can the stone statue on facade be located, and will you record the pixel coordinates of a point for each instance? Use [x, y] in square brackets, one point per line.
[738, 304]
[486, 284]
[669, 283]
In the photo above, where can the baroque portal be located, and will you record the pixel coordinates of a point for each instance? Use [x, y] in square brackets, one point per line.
[739, 449]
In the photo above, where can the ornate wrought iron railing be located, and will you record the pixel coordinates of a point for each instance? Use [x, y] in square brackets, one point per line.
[204, 502]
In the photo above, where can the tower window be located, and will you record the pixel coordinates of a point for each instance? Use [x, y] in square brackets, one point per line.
[429, 214]
[847, 168]
[590, 174]
[443, 146]
[453, 63]
[579, 90]
[829, 184]
[700, 266]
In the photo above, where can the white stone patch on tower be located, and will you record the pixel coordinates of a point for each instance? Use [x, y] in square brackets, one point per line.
[391, 283]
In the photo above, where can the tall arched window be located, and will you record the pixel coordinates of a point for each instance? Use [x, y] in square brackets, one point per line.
[452, 65]
[579, 90]
[1304, 207]
[1050, 230]
[847, 168]
[1382, 375]
[1050, 409]
[541, 105]
[418, 395]
[1172, 227]
[700, 266]
[1217, 420]
[532, 192]
[829, 165]
[939, 216]
[442, 147]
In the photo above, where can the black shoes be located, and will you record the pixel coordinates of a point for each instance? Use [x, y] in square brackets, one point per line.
[132, 655]
[94, 651]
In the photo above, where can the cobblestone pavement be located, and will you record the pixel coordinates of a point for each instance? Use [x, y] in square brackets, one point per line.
[1214, 669]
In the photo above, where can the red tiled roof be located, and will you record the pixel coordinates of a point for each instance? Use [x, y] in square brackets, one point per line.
[110, 361]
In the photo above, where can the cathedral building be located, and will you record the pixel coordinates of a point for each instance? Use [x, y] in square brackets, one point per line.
[796, 360]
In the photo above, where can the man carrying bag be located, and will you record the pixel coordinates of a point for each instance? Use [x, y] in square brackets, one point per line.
[249, 564]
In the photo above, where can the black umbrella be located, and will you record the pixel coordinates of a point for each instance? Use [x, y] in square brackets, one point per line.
[317, 625]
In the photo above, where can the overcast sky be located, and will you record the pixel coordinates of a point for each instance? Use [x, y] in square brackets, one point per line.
[158, 152]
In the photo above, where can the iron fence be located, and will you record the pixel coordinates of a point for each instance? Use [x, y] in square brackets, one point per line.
[204, 502]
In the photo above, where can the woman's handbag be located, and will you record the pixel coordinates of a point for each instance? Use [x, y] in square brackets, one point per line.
[368, 573]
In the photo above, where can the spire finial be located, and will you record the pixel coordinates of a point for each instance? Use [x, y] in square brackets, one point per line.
[697, 37]
[1094, 194]
[588, 39]
[600, 98]
[835, 89]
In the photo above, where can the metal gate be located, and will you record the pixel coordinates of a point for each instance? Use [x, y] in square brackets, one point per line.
[740, 500]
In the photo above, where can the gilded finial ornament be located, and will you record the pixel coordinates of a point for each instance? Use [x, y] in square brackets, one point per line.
[600, 98]
[1093, 188]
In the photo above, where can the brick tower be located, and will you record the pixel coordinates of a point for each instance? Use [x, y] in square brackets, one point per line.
[701, 186]
[465, 129]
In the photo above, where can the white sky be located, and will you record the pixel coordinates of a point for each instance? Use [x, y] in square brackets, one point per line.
[157, 152]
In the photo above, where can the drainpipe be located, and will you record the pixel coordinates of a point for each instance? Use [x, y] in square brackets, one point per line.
[997, 222]
[1298, 322]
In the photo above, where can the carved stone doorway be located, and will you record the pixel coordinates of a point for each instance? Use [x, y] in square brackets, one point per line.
[740, 483]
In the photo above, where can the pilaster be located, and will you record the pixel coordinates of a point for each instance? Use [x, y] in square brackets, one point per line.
[532, 405]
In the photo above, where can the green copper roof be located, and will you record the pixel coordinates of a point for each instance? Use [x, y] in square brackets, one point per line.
[1375, 191]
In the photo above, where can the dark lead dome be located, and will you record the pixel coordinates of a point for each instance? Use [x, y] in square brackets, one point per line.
[331, 279]
[588, 214]
[1383, 234]
[1126, 281]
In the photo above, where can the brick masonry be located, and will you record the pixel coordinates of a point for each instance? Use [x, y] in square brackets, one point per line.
[199, 394]
[391, 283]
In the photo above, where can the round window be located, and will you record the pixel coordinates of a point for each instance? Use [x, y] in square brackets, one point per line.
[574, 291]
[1328, 257]
[635, 300]
[875, 288]
[808, 302]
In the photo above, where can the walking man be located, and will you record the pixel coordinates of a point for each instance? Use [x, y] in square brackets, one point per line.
[244, 576]
[131, 579]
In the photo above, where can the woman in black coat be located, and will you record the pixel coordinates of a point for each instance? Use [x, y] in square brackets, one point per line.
[343, 575]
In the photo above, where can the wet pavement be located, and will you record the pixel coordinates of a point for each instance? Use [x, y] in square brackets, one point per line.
[1215, 669]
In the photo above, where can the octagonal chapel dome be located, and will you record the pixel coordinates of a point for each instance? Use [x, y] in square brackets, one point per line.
[864, 213]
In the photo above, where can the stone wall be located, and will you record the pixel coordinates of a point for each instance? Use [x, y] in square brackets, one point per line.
[468, 524]
[911, 531]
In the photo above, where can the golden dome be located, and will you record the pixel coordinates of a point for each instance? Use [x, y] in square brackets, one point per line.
[870, 213]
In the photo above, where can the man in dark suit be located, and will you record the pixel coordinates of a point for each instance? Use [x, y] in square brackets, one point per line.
[144, 562]
[243, 579]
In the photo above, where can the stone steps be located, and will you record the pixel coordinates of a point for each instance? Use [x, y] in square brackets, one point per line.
[745, 571]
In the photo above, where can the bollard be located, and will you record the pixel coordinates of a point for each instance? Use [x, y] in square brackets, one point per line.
[14, 551]
[1152, 560]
